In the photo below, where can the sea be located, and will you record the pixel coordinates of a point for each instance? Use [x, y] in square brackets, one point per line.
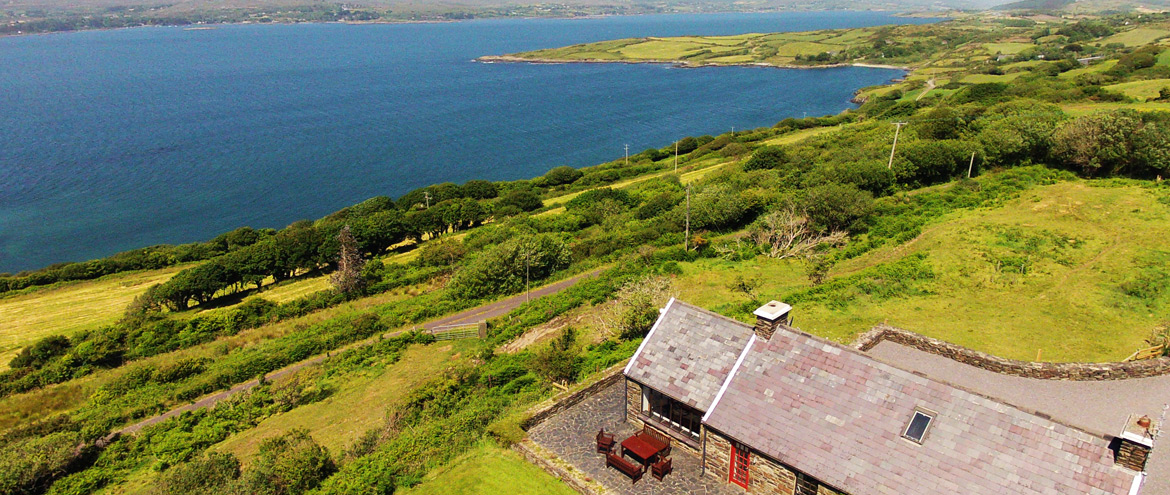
[120, 139]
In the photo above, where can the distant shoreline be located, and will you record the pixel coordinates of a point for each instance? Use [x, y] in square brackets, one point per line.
[685, 64]
[207, 27]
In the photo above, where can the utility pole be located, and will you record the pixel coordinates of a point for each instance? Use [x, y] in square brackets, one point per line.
[687, 236]
[527, 294]
[427, 194]
[895, 146]
[627, 155]
[732, 130]
[971, 165]
[676, 157]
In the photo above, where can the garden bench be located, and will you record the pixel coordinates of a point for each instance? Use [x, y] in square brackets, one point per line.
[628, 468]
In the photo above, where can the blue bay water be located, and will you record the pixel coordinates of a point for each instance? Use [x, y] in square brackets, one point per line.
[113, 140]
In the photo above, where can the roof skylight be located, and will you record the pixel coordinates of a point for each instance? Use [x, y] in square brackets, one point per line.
[919, 423]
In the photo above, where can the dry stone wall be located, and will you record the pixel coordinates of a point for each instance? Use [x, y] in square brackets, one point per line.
[1046, 371]
[560, 403]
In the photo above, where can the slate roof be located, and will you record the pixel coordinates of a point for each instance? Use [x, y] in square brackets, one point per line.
[688, 353]
[838, 415]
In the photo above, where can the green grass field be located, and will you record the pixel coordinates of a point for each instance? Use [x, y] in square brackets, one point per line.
[63, 397]
[340, 419]
[1141, 90]
[990, 78]
[489, 470]
[1081, 244]
[70, 307]
[1007, 48]
[1137, 37]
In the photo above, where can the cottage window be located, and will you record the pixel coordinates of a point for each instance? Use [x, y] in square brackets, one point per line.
[741, 461]
[919, 423]
[671, 413]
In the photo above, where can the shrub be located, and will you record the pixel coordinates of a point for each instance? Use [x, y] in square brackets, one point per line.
[559, 362]
[836, 206]
[441, 253]
[504, 268]
[768, 157]
[480, 189]
[930, 162]
[40, 353]
[520, 200]
[562, 175]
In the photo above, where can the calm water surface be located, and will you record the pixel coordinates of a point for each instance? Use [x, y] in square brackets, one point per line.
[114, 140]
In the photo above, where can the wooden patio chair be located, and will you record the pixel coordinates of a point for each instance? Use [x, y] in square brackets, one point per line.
[660, 469]
[605, 442]
[664, 453]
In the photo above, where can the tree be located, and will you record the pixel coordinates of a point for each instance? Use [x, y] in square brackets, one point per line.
[1097, 142]
[444, 252]
[562, 175]
[687, 145]
[505, 267]
[211, 474]
[833, 207]
[784, 233]
[290, 464]
[768, 157]
[523, 199]
[634, 308]
[348, 277]
[923, 163]
[560, 361]
[938, 123]
[480, 189]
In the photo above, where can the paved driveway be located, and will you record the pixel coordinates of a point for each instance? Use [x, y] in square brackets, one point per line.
[1100, 407]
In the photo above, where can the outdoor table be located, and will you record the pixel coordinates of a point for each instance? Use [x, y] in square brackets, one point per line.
[642, 449]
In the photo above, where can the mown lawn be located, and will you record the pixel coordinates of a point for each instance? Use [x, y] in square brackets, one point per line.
[489, 470]
[1073, 271]
[63, 310]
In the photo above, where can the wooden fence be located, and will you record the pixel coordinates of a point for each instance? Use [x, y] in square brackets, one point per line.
[1148, 353]
[460, 331]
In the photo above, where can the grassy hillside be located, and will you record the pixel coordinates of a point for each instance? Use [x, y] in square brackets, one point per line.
[70, 307]
[1051, 251]
[1069, 272]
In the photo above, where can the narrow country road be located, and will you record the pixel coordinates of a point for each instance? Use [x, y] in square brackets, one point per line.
[476, 314]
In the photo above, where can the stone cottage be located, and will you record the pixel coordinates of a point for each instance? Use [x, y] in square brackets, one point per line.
[771, 409]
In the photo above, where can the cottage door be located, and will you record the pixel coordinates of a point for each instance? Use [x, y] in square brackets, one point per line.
[740, 462]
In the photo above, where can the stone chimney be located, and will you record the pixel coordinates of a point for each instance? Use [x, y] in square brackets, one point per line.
[1135, 442]
[770, 316]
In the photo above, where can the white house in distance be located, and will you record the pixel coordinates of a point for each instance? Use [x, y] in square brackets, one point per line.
[771, 409]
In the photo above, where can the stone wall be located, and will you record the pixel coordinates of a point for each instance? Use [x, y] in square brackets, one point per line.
[566, 400]
[633, 403]
[575, 481]
[764, 474]
[768, 476]
[718, 456]
[1026, 369]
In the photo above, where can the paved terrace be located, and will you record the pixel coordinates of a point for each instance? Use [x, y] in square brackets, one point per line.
[1096, 406]
[571, 435]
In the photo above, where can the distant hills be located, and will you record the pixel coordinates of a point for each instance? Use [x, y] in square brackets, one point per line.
[1087, 6]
